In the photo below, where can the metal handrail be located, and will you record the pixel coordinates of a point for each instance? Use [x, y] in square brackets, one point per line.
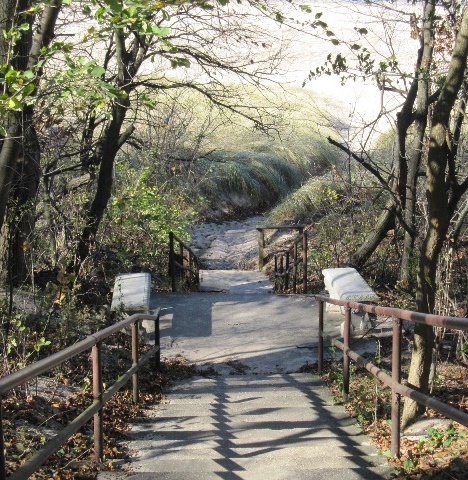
[393, 381]
[100, 396]
[286, 263]
[184, 264]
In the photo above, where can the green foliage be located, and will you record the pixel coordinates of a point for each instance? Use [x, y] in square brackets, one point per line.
[21, 339]
[443, 438]
[140, 218]
[447, 440]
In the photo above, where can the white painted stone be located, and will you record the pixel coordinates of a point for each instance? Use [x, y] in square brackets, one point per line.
[132, 292]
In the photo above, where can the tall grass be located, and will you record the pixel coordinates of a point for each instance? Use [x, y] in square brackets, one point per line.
[250, 179]
[315, 199]
[249, 170]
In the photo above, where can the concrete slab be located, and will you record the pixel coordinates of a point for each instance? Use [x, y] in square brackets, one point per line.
[258, 416]
[250, 332]
[239, 282]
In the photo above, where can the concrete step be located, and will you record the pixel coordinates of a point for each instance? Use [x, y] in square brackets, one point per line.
[254, 464]
[279, 426]
[270, 473]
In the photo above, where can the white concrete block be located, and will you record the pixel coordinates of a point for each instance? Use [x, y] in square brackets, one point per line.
[347, 284]
[132, 292]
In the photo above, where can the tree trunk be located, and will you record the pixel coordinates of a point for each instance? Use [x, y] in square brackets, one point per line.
[385, 223]
[414, 157]
[106, 153]
[20, 153]
[387, 219]
[438, 219]
[23, 200]
[128, 63]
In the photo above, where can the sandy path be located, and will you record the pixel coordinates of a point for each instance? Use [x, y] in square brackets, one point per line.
[227, 245]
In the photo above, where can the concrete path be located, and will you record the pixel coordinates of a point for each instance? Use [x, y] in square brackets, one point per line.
[253, 415]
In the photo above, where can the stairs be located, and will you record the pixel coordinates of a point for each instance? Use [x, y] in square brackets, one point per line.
[280, 426]
[255, 416]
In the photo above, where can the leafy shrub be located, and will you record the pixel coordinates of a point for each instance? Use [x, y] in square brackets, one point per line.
[139, 220]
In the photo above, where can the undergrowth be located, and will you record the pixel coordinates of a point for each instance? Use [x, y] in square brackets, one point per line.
[439, 452]
[32, 415]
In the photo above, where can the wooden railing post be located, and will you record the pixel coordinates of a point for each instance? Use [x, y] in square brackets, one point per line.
[396, 377]
[171, 261]
[320, 339]
[294, 274]
[181, 272]
[157, 342]
[97, 396]
[346, 337]
[135, 361]
[261, 247]
[304, 262]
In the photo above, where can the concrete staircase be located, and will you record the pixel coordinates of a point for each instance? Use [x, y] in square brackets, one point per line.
[252, 427]
[255, 416]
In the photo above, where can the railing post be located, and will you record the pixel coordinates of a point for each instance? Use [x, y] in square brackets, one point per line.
[304, 262]
[346, 337]
[2, 445]
[294, 267]
[135, 361]
[320, 339]
[286, 278]
[276, 273]
[171, 261]
[157, 341]
[97, 396]
[281, 271]
[261, 247]
[182, 273]
[190, 267]
[396, 377]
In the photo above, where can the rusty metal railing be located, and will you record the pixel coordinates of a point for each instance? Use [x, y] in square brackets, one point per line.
[394, 380]
[184, 265]
[100, 396]
[287, 263]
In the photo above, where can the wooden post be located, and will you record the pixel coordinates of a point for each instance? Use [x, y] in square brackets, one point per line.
[304, 262]
[171, 261]
[261, 247]
[157, 341]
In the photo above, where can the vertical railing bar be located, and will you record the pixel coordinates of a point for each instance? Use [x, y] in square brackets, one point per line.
[346, 337]
[2, 444]
[276, 273]
[96, 356]
[171, 261]
[135, 361]
[157, 341]
[396, 377]
[261, 247]
[181, 270]
[295, 268]
[304, 262]
[286, 278]
[320, 338]
[281, 271]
